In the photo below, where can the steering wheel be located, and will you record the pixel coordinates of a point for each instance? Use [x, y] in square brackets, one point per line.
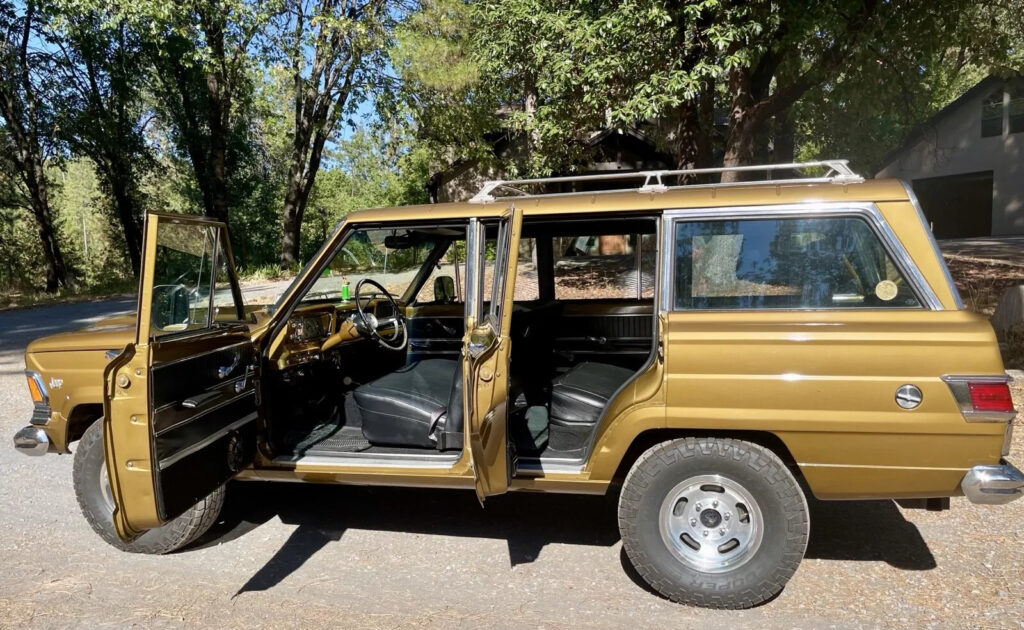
[369, 324]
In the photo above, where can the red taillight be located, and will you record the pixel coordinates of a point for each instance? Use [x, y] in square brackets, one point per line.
[990, 396]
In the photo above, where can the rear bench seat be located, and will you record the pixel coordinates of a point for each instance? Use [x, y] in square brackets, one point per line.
[578, 398]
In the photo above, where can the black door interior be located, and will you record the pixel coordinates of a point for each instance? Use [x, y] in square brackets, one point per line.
[435, 332]
[204, 414]
[616, 333]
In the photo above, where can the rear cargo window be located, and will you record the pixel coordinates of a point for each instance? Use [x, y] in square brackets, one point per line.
[785, 263]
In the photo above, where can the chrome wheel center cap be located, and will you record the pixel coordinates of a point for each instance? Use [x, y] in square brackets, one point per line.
[710, 518]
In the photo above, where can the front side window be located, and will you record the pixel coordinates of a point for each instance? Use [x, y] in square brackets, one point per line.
[191, 279]
[785, 263]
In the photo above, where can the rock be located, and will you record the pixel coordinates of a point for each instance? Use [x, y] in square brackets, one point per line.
[1009, 311]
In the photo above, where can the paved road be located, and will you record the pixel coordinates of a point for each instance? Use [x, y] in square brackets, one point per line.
[324, 556]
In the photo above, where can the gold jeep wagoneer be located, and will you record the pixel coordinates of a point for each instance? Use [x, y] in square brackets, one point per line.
[718, 350]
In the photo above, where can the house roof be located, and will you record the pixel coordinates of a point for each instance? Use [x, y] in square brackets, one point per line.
[988, 83]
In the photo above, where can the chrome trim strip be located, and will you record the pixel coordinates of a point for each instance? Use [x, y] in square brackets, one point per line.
[958, 385]
[474, 308]
[541, 465]
[197, 416]
[912, 197]
[869, 211]
[375, 460]
[208, 440]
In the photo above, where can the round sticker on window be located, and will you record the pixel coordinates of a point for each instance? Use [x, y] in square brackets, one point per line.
[886, 290]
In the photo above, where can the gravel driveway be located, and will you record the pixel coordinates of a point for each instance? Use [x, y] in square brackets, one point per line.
[329, 556]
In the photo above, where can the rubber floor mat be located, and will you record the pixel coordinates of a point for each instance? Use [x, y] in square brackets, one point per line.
[345, 440]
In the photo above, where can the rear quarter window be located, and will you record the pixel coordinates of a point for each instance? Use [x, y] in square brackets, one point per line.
[785, 263]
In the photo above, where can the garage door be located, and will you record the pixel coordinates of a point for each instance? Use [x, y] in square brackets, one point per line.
[957, 206]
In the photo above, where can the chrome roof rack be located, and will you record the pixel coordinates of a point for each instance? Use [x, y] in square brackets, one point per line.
[837, 172]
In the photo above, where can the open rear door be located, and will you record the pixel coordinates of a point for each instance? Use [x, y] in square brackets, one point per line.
[181, 402]
[490, 276]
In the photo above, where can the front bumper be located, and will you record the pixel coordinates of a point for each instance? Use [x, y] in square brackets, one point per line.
[31, 441]
[993, 485]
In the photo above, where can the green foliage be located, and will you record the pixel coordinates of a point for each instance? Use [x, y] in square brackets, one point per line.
[194, 104]
[550, 72]
[364, 173]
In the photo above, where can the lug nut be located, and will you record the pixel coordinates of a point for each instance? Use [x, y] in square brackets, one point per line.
[721, 532]
[727, 515]
[705, 533]
[714, 504]
[693, 521]
[699, 507]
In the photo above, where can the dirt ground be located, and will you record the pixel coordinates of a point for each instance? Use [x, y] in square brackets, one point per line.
[329, 556]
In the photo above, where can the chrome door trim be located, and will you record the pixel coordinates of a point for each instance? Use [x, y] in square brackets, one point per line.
[865, 210]
[475, 238]
[441, 461]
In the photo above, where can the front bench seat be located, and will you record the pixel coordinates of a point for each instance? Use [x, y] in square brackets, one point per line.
[578, 398]
[403, 407]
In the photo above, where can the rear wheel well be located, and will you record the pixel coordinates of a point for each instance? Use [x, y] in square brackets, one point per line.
[647, 439]
[80, 418]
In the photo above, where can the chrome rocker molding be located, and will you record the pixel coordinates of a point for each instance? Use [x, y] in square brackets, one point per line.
[31, 441]
[993, 485]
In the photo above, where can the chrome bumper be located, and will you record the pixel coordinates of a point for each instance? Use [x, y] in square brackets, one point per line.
[31, 441]
[993, 485]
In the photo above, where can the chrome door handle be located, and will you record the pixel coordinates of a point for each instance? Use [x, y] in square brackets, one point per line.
[224, 370]
[240, 384]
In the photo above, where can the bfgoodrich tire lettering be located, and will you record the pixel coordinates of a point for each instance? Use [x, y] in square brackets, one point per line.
[89, 469]
[755, 476]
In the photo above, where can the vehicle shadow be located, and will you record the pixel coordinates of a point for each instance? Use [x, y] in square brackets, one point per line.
[856, 530]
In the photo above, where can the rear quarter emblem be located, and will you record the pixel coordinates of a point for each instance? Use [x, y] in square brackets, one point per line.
[56, 383]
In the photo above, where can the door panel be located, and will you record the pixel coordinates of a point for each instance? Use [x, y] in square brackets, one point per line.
[181, 402]
[436, 331]
[605, 332]
[204, 416]
[486, 355]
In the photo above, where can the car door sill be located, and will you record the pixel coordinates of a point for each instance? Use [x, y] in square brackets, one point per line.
[533, 466]
[385, 460]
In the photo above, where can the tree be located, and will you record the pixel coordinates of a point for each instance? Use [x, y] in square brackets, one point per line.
[666, 67]
[201, 54]
[100, 66]
[345, 39]
[29, 128]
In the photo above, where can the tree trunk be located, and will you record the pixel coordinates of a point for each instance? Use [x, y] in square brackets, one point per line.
[743, 126]
[57, 272]
[784, 141]
[294, 208]
[128, 216]
[691, 132]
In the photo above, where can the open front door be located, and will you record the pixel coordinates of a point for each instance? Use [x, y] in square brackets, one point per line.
[180, 403]
[490, 276]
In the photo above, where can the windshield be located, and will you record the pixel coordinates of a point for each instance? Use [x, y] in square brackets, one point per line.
[391, 257]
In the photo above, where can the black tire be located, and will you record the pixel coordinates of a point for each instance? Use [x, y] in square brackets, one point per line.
[655, 505]
[89, 462]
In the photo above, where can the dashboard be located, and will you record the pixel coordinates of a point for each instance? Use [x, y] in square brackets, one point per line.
[314, 330]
